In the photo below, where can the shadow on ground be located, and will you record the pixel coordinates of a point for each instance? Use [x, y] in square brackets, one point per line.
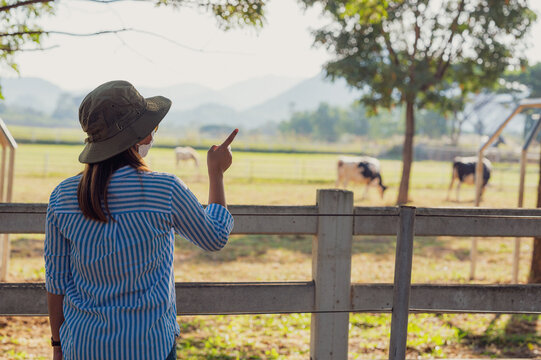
[515, 338]
[256, 246]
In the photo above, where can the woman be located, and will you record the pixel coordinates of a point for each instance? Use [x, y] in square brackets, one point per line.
[110, 234]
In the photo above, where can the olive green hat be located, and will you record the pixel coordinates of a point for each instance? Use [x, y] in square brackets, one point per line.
[116, 117]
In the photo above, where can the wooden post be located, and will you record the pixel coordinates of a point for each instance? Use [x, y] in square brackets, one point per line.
[331, 272]
[5, 237]
[516, 248]
[402, 283]
[5, 257]
[523, 164]
[479, 181]
[11, 175]
[2, 173]
[478, 189]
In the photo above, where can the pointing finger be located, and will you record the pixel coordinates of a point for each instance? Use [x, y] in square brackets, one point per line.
[230, 138]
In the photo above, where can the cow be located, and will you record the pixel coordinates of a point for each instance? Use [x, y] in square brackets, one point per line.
[363, 169]
[186, 153]
[464, 172]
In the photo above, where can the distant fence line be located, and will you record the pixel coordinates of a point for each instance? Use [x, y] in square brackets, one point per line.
[422, 151]
[300, 169]
[330, 296]
[447, 153]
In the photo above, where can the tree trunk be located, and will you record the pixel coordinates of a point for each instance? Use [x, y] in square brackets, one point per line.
[407, 154]
[535, 267]
[456, 128]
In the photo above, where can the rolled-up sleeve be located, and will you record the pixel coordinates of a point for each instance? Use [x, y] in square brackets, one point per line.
[57, 256]
[207, 228]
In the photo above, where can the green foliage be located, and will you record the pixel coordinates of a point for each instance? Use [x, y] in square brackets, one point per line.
[235, 337]
[417, 50]
[332, 123]
[18, 27]
[20, 30]
[322, 123]
[432, 124]
[229, 13]
[528, 76]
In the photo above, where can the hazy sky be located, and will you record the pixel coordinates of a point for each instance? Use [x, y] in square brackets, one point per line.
[203, 53]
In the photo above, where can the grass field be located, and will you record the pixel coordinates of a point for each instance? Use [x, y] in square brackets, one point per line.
[270, 178]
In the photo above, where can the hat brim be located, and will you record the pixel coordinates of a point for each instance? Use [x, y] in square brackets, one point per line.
[157, 108]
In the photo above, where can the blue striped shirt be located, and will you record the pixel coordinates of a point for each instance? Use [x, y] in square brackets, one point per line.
[118, 277]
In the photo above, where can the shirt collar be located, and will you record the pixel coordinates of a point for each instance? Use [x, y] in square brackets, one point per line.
[124, 171]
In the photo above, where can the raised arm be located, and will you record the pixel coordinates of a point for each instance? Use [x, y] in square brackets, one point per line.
[219, 159]
[208, 228]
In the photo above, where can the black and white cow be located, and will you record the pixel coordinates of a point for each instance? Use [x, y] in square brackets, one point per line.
[363, 169]
[464, 172]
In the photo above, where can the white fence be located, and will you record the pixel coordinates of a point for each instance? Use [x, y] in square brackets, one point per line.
[330, 296]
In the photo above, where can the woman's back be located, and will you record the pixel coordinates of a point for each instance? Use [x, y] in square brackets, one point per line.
[119, 280]
[109, 240]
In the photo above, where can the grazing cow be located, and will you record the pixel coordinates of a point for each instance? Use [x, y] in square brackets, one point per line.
[186, 153]
[363, 169]
[464, 172]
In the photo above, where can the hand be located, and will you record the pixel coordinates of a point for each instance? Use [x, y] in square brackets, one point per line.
[219, 157]
[57, 353]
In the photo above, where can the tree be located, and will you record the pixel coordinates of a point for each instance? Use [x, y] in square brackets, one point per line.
[19, 29]
[414, 52]
[326, 123]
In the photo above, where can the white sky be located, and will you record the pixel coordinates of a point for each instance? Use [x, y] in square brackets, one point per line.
[283, 47]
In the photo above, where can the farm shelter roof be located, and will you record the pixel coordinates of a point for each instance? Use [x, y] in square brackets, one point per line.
[534, 103]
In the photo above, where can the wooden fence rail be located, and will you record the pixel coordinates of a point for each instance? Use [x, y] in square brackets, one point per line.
[29, 299]
[256, 219]
[330, 296]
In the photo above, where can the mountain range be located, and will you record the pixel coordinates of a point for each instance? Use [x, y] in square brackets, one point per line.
[250, 103]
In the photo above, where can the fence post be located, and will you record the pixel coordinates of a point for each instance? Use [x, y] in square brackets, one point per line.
[331, 272]
[402, 283]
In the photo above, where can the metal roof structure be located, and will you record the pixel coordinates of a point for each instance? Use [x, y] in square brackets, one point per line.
[524, 104]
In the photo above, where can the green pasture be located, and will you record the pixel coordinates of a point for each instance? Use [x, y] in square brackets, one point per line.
[279, 178]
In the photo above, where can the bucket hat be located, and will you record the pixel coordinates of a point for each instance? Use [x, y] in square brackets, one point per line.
[116, 117]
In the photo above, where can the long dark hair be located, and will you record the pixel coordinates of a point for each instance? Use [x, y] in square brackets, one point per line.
[92, 189]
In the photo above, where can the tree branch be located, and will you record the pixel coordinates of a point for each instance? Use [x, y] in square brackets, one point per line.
[417, 30]
[390, 49]
[117, 31]
[43, 32]
[10, 50]
[441, 66]
[6, 8]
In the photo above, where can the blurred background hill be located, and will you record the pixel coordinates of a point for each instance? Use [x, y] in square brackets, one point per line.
[250, 104]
